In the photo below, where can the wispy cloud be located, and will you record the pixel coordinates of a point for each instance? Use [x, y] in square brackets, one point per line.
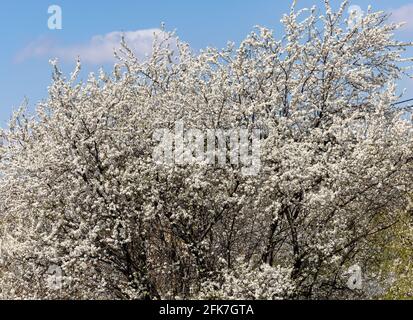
[98, 50]
[403, 14]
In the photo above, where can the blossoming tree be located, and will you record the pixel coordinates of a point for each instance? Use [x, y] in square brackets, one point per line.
[80, 190]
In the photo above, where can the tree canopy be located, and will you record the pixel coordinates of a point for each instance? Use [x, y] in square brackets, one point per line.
[80, 190]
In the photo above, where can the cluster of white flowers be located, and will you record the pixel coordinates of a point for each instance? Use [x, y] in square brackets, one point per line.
[244, 282]
[79, 188]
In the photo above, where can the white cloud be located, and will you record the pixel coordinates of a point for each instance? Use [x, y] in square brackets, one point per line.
[98, 50]
[403, 14]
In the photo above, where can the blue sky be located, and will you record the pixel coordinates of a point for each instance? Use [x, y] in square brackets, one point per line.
[27, 43]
